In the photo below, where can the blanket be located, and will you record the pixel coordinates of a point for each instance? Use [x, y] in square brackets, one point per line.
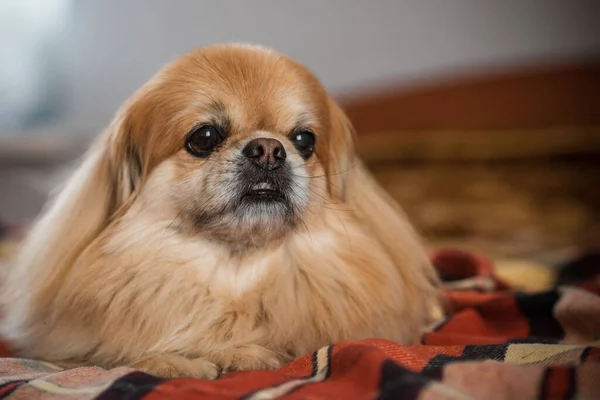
[494, 343]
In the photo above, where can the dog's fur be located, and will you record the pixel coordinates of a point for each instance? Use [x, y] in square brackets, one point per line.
[143, 259]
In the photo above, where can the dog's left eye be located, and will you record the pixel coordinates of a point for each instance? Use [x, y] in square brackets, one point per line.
[203, 140]
[304, 142]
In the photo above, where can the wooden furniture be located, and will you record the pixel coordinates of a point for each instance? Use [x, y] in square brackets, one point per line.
[505, 162]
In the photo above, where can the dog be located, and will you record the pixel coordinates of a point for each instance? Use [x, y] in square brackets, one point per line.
[222, 221]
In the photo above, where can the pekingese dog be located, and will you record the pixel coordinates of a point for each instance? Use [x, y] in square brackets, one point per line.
[221, 222]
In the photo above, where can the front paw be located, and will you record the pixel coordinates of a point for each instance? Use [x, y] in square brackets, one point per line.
[177, 366]
[250, 357]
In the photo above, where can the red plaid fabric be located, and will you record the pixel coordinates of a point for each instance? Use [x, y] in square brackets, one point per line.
[493, 344]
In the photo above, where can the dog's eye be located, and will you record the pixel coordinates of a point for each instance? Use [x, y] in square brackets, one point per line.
[304, 142]
[203, 140]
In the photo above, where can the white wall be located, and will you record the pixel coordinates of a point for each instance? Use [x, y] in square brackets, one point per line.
[115, 45]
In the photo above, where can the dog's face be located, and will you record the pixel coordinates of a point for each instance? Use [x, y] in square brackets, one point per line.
[239, 142]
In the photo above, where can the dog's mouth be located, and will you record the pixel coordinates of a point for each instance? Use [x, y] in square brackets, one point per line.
[264, 191]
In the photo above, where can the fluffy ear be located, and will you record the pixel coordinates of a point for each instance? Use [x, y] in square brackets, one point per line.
[384, 218]
[378, 212]
[126, 162]
[337, 153]
[100, 187]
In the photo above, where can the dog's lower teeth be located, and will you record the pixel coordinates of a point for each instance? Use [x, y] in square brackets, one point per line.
[262, 186]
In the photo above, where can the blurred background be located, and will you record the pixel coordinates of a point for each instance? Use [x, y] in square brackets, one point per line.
[481, 117]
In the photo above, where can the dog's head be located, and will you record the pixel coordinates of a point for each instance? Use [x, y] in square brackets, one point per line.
[234, 142]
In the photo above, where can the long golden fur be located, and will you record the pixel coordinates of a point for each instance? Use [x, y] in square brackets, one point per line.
[121, 270]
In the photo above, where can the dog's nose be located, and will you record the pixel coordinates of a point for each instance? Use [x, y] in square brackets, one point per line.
[267, 153]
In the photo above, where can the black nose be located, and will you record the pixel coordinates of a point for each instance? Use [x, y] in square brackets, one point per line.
[268, 154]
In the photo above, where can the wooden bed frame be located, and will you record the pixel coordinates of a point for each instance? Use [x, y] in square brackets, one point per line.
[531, 111]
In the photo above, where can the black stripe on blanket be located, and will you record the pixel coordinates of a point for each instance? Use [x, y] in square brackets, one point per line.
[132, 386]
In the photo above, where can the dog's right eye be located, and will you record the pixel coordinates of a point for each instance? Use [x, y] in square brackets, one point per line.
[203, 140]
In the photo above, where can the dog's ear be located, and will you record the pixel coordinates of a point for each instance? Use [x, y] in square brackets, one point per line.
[126, 161]
[104, 184]
[110, 175]
[337, 151]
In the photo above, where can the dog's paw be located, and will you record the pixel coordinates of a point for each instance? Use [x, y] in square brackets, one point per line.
[177, 366]
[250, 357]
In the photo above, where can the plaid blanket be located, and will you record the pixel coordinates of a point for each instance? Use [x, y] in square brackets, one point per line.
[493, 344]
